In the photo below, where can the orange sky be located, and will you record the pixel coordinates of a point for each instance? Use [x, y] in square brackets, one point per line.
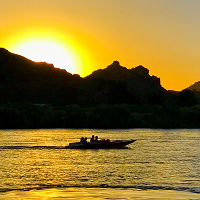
[161, 35]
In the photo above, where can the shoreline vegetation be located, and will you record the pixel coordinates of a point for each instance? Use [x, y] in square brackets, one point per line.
[118, 116]
[37, 95]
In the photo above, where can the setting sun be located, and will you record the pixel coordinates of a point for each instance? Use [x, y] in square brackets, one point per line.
[49, 52]
[51, 47]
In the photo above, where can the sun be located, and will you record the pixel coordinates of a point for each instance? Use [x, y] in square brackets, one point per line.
[47, 51]
[51, 47]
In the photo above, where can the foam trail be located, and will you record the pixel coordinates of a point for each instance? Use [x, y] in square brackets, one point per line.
[32, 147]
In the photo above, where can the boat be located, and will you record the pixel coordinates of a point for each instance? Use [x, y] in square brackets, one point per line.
[114, 144]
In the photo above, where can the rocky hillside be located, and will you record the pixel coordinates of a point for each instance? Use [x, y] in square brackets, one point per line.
[24, 80]
[195, 86]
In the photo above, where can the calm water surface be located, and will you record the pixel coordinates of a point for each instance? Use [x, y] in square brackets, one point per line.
[160, 162]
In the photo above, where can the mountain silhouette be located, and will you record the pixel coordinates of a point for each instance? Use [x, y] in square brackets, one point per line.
[119, 84]
[195, 86]
[38, 82]
[24, 80]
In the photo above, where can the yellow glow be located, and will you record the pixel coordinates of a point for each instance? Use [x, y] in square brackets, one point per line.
[49, 52]
[51, 47]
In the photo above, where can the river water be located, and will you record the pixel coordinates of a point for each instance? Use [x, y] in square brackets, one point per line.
[161, 164]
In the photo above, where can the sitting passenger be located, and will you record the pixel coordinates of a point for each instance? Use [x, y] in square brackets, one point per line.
[96, 139]
[103, 140]
[82, 140]
[92, 139]
[85, 140]
[107, 141]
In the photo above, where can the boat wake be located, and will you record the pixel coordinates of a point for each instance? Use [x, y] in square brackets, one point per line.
[32, 147]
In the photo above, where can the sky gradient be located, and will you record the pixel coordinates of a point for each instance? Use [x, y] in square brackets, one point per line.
[161, 35]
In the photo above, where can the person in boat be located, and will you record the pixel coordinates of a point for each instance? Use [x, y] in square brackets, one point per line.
[107, 141]
[85, 140]
[92, 139]
[96, 139]
[102, 141]
[82, 140]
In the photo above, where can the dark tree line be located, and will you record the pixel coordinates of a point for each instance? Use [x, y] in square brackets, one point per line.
[167, 115]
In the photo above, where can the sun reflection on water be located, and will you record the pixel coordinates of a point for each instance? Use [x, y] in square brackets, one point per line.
[155, 161]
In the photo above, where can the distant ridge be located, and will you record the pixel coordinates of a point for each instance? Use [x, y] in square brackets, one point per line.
[195, 86]
[117, 72]
[38, 82]
[130, 83]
